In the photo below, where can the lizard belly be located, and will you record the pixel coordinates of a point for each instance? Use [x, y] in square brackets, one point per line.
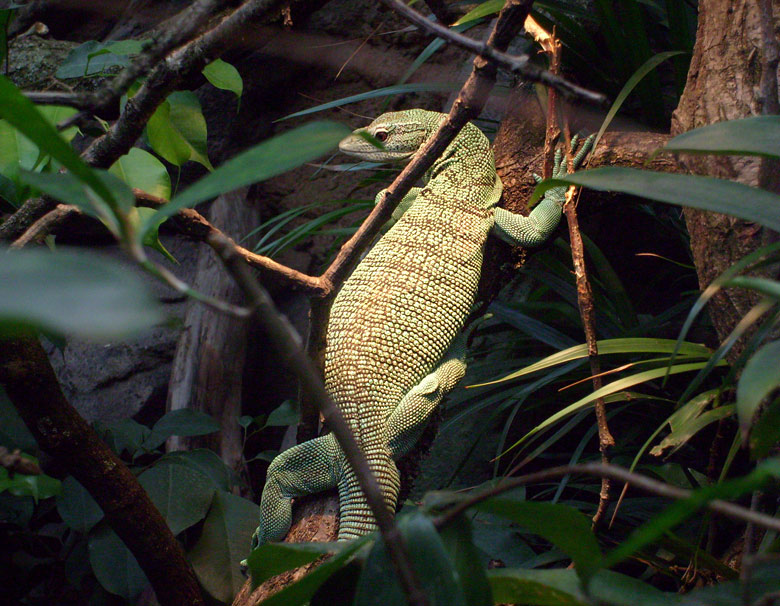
[401, 308]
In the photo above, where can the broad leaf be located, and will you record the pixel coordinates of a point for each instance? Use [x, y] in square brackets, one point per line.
[561, 525]
[115, 567]
[182, 422]
[270, 559]
[267, 159]
[140, 169]
[74, 293]
[95, 57]
[562, 588]
[429, 558]
[287, 413]
[179, 492]
[705, 193]
[206, 462]
[22, 114]
[469, 572]
[223, 543]
[76, 507]
[754, 136]
[223, 75]
[177, 130]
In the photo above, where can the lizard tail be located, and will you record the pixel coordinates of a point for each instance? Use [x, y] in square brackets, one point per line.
[355, 517]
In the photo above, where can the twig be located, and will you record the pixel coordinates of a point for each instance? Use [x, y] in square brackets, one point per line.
[519, 64]
[618, 474]
[32, 387]
[43, 226]
[584, 291]
[285, 341]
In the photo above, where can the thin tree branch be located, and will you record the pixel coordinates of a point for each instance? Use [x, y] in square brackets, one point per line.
[619, 474]
[286, 342]
[32, 387]
[518, 64]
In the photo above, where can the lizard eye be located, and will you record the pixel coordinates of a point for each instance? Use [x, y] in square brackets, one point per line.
[381, 135]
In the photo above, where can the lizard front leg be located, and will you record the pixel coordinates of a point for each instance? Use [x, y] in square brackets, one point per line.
[307, 468]
[534, 229]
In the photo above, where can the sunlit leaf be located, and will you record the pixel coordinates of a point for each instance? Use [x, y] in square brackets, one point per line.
[223, 75]
[22, 114]
[140, 169]
[632, 345]
[177, 130]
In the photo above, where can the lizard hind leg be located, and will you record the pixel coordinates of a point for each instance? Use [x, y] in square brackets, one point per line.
[307, 468]
[355, 516]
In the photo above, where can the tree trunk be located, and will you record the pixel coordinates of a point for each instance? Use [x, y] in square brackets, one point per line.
[209, 362]
[733, 74]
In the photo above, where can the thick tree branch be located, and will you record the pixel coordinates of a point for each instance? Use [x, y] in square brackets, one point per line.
[285, 341]
[32, 386]
[518, 64]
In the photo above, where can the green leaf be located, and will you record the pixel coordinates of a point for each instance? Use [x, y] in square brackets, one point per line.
[115, 567]
[152, 235]
[181, 494]
[263, 161]
[428, 557]
[765, 286]
[686, 426]
[23, 115]
[754, 136]
[288, 413]
[182, 422]
[223, 543]
[177, 130]
[469, 572]
[561, 525]
[300, 592]
[140, 169]
[759, 379]
[38, 486]
[58, 113]
[76, 506]
[398, 89]
[562, 588]
[16, 151]
[223, 75]
[88, 59]
[482, 10]
[270, 559]
[609, 389]
[685, 508]
[632, 345]
[13, 431]
[765, 433]
[705, 193]
[206, 462]
[126, 435]
[73, 293]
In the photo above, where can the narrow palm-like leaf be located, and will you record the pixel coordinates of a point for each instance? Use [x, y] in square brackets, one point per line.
[754, 136]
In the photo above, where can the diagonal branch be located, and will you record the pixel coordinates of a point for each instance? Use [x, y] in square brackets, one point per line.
[518, 64]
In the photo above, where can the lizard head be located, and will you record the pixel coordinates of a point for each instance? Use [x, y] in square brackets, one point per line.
[400, 133]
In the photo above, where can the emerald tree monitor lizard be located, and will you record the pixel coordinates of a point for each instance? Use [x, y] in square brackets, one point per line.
[392, 348]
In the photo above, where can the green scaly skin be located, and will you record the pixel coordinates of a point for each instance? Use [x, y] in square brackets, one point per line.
[393, 349]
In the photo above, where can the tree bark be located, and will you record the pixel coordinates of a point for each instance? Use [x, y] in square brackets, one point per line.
[733, 74]
[209, 363]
